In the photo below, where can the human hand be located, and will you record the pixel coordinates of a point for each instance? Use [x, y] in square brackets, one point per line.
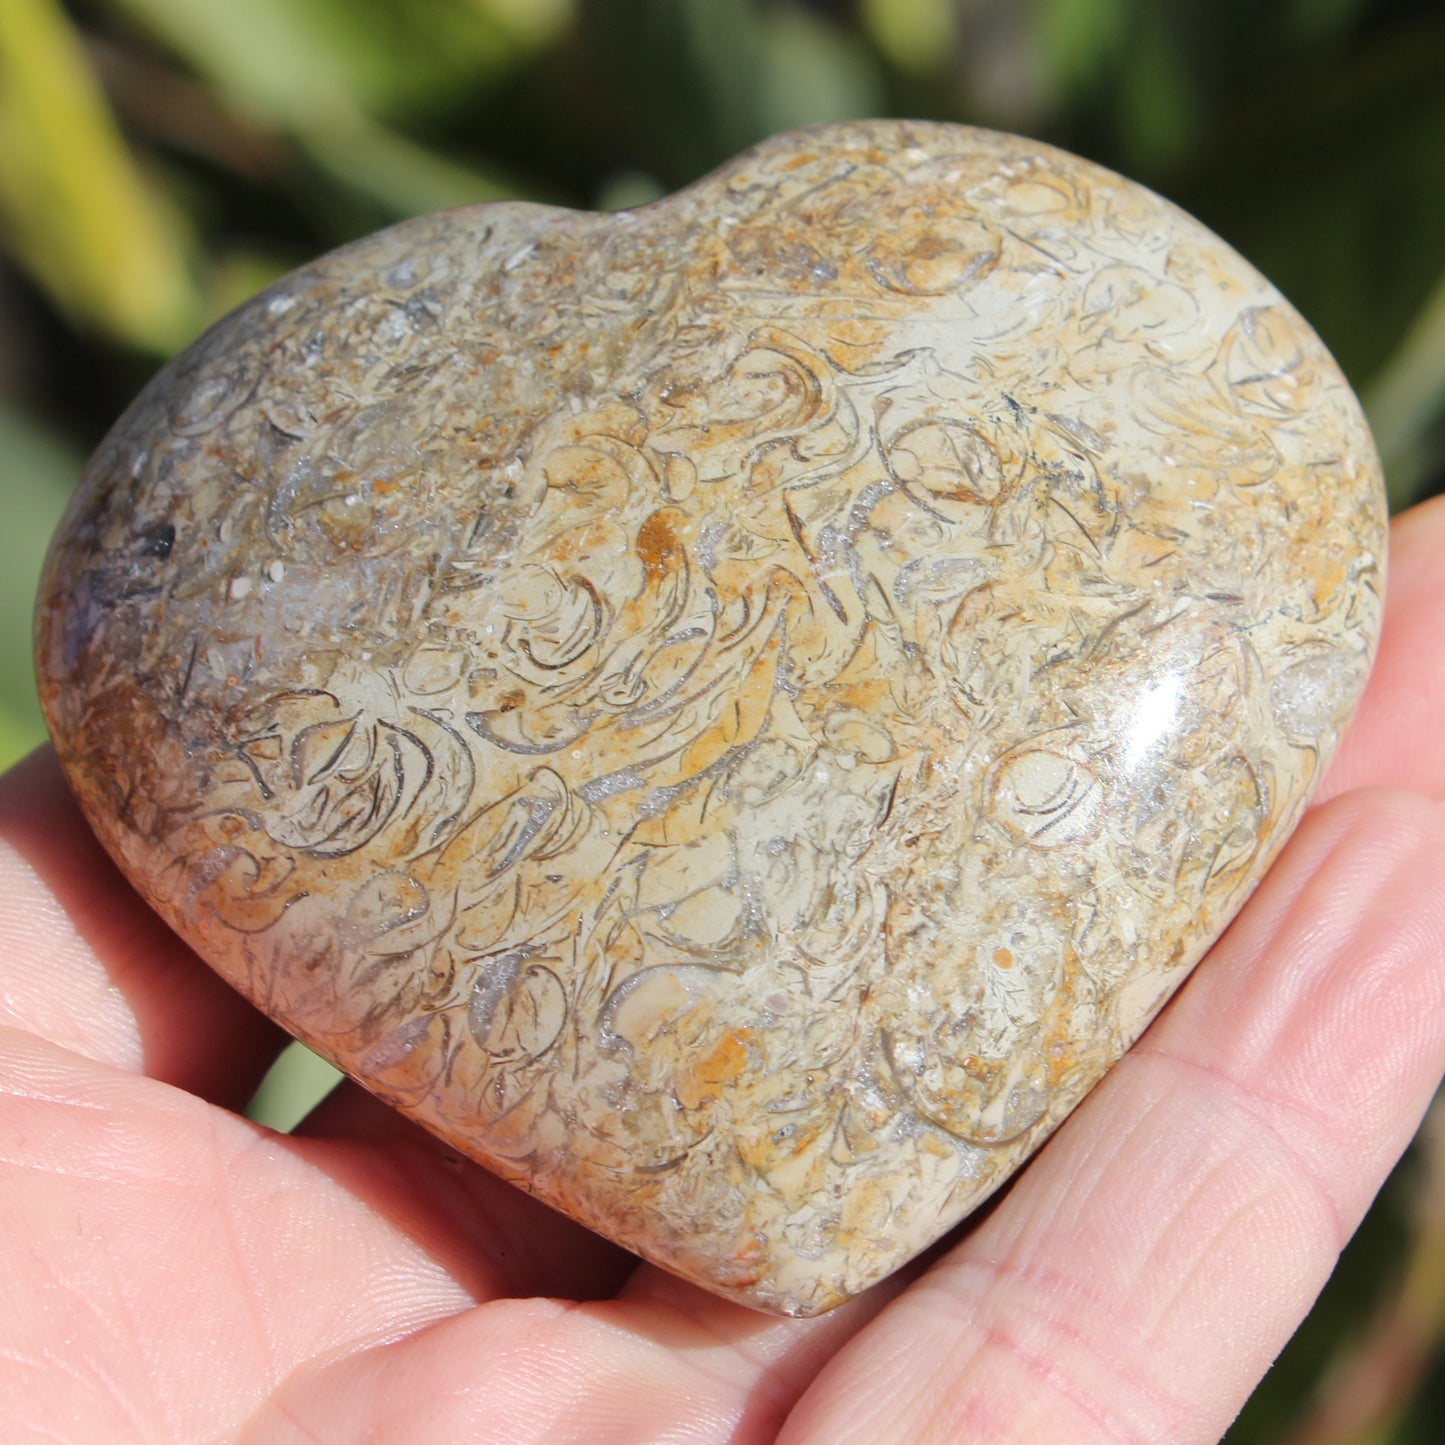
[174, 1273]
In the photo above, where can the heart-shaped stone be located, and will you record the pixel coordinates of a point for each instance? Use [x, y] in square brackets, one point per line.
[732, 714]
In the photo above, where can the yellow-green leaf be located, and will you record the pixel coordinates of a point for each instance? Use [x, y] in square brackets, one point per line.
[79, 215]
[916, 35]
[1408, 396]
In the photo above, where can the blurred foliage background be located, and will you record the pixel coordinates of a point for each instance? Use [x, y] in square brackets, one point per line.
[162, 159]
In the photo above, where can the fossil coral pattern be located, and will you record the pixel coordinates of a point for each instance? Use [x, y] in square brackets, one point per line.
[733, 714]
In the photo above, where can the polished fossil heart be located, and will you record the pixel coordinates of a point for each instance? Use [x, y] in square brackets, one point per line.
[732, 714]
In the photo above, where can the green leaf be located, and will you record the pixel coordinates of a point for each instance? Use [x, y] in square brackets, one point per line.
[18, 737]
[322, 71]
[815, 72]
[278, 62]
[1407, 398]
[1078, 39]
[1323, 19]
[1160, 110]
[295, 1084]
[529, 22]
[918, 36]
[81, 217]
[37, 472]
[404, 178]
[299, 64]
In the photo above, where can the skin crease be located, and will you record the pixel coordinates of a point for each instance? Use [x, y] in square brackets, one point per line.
[174, 1273]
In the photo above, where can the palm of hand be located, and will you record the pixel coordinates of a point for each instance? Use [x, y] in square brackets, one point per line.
[178, 1274]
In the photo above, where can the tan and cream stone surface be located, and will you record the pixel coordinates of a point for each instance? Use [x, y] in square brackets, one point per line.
[735, 714]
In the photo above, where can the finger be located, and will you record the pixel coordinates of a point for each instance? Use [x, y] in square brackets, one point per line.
[683, 1367]
[168, 1265]
[665, 1361]
[1398, 737]
[1142, 1274]
[86, 964]
[498, 1239]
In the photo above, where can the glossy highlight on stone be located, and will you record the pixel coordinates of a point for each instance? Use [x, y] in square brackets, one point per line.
[734, 714]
